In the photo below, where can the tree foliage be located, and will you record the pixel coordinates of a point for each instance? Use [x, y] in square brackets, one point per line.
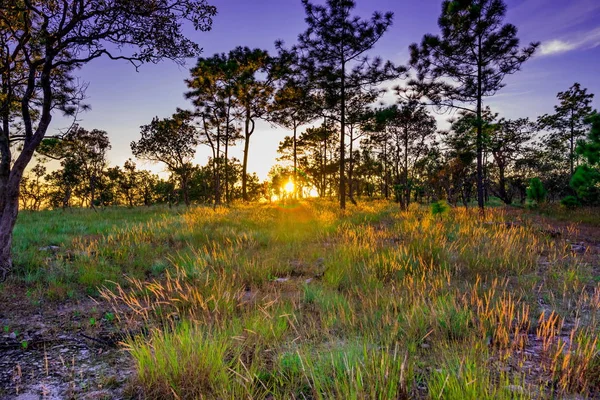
[586, 180]
[332, 55]
[172, 141]
[476, 51]
[569, 123]
[42, 44]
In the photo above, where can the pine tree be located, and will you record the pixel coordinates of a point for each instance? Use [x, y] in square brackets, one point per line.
[468, 61]
[586, 180]
[569, 121]
[332, 53]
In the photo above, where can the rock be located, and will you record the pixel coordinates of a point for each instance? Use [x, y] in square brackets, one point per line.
[12, 336]
[51, 248]
[281, 280]
[578, 248]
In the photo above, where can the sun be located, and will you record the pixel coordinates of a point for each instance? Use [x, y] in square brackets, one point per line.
[289, 187]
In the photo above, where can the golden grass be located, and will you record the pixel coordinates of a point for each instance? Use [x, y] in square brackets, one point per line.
[306, 302]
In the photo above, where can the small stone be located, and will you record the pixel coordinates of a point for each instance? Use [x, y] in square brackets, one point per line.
[51, 248]
[578, 248]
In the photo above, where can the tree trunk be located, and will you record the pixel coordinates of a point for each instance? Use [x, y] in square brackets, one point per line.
[502, 192]
[351, 167]
[216, 170]
[406, 186]
[227, 199]
[325, 160]
[480, 194]
[572, 145]
[343, 139]
[9, 198]
[248, 132]
[295, 163]
[244, 168]
[386, 189]
[227, 152]
[185, 189]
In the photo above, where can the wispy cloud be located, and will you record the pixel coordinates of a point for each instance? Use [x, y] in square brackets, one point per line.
[579, 40]
[538, 17]
[556, 46]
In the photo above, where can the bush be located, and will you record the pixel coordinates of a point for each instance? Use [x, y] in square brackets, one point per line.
[536, 191]
[439, 208]
[570, 202]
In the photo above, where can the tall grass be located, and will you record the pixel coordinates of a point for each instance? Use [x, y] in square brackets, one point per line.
[304, 301]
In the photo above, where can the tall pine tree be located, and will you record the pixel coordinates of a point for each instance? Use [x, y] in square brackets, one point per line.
[332, 53]
[468, 61]
[569, 122]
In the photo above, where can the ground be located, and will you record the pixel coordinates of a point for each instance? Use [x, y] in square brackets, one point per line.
[302, 301]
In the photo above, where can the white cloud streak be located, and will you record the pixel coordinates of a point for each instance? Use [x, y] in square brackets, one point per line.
[580, 40]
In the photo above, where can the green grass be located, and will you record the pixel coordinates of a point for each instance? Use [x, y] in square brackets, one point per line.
[305, 301]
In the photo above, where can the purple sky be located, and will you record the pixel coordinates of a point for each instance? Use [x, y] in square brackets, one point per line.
[123, 99]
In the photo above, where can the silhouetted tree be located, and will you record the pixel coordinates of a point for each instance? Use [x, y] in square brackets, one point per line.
[253, 92]
[172, 141]
[85, 151]
[213, 87]
[408, 127]
[43, 42]
[292, 107]
[332, 55]
[33, 189]
[507, 142]
[569, 122]
[586, 180]
[468, 61]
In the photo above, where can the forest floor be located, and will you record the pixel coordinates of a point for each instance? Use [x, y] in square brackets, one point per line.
[302, 301]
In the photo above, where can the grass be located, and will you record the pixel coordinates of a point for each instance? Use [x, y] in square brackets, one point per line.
[305, 301]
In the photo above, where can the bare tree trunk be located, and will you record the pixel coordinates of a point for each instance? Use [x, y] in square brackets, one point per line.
[480, 189]
[227, 199]
[185, 188]
[227, 153]
[343, 139]
[325, 164]
[351, 167]
[386, 189]
[248, 133]
[216, 172]
[295, 163]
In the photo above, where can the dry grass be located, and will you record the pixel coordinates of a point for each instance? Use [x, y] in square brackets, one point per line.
[302, 301]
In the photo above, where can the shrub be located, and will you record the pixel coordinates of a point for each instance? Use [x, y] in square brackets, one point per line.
[439, 207]
[570, 202]
[536, 191]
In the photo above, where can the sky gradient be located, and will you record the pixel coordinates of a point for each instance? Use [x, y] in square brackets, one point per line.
[123, 99]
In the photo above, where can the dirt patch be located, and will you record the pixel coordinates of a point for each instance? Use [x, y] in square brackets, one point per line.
[59, 351]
